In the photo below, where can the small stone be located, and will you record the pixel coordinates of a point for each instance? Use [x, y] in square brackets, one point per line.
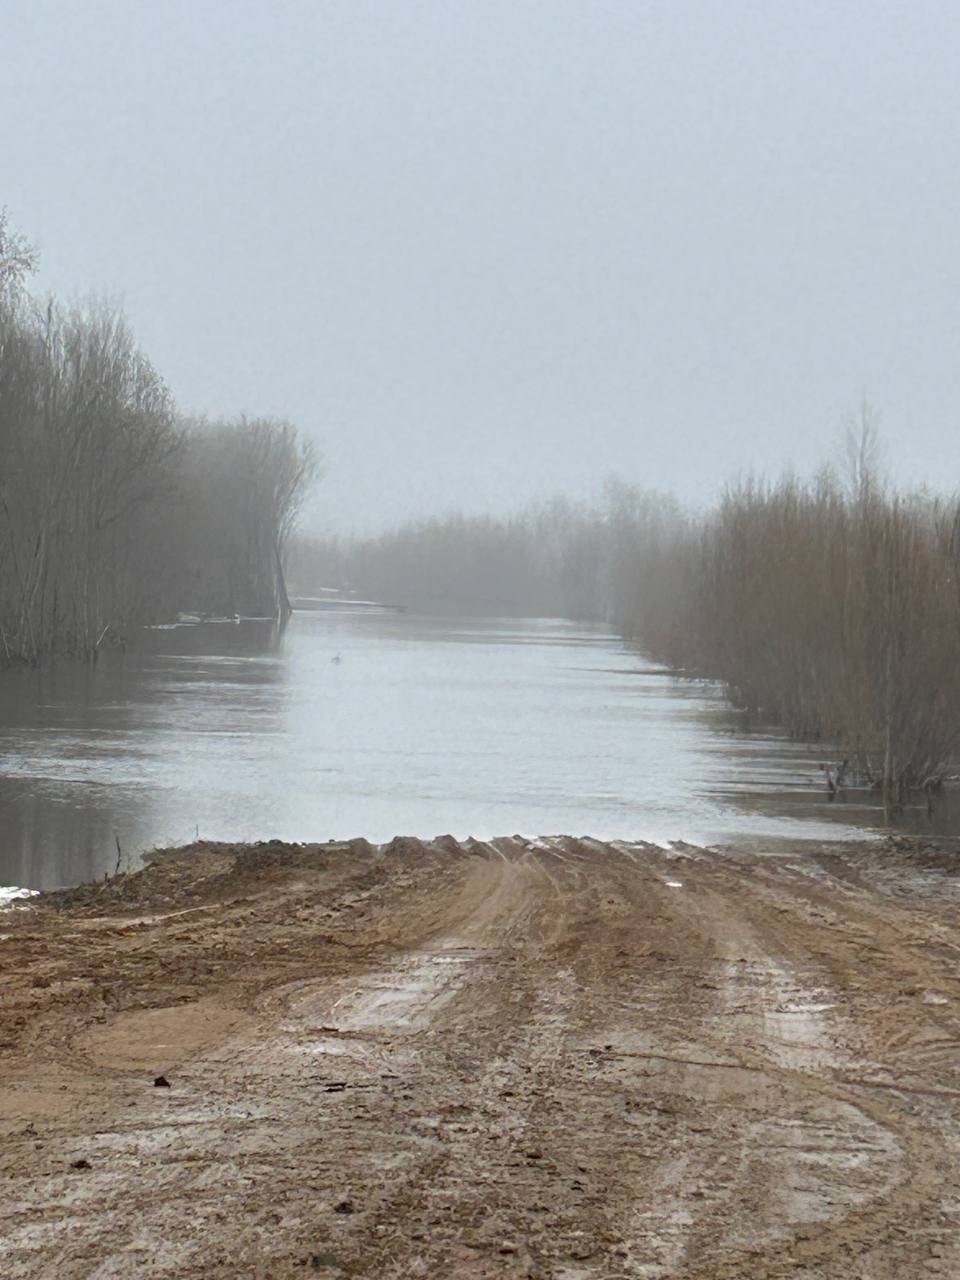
[344, 1206]
[161, 1082]
[81, 1164]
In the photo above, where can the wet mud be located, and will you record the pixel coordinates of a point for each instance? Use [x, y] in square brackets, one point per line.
[557, 1059]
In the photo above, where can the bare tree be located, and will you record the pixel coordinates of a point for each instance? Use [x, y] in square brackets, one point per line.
[18, 258]
[112, 511]
[863, 451]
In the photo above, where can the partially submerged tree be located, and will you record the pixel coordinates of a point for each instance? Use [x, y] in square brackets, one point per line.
[112, 511]
[242, 484]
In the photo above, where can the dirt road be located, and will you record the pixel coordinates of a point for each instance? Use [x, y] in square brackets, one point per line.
[543, 1059]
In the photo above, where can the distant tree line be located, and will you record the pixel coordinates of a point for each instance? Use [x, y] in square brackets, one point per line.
[829, 606]
[114, 510]
[561, 558]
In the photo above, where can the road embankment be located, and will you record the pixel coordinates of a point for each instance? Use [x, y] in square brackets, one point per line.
[557, 1059]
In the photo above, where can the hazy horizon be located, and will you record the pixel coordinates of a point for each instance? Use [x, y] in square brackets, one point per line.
[486, 252]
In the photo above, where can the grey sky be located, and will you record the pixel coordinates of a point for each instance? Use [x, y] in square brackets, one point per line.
[483, 251]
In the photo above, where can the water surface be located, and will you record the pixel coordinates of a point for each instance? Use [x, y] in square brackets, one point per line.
[424, 726]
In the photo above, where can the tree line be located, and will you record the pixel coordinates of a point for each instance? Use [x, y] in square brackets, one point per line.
[115, 510]
[830, 606]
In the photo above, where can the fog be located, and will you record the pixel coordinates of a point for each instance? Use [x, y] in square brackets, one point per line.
[484, 252]
[479, 633]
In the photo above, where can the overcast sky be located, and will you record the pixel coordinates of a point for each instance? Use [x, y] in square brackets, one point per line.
[487, 249]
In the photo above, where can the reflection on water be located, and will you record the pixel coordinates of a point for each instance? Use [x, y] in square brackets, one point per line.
[424, 726]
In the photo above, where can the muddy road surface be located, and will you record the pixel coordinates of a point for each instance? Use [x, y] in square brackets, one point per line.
[557, 1059]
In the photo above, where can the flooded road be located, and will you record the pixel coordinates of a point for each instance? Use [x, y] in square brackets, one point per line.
[379, 724]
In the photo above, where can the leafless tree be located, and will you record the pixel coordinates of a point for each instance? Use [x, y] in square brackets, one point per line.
[113, 512]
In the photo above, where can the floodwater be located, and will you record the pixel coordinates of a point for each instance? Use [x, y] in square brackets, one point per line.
[379, 724]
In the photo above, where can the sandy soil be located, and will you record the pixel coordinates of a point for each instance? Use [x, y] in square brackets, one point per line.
[553, 1059]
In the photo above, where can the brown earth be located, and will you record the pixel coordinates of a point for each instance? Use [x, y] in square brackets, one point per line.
[542, 1059]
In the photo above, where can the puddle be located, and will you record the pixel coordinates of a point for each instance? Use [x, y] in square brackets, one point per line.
[832, 1155]
[663, 1231]
[794, 1019]
[796, 1024]
[404, 998]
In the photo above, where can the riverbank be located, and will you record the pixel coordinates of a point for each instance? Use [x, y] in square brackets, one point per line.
[525, 1058]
